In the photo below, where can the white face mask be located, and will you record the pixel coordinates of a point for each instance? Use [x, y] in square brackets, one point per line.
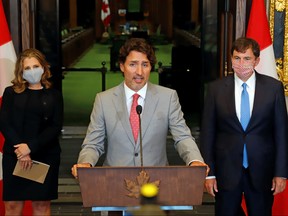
[33, 76]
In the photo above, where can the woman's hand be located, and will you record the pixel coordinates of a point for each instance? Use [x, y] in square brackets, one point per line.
[26, 162]
[22, 150]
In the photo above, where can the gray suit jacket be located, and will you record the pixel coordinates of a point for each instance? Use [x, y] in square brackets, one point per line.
[110, 123]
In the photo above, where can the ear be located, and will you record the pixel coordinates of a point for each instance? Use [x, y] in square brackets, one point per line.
[257, 60]
[121, 67]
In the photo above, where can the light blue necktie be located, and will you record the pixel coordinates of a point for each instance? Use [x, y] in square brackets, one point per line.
[244, 118]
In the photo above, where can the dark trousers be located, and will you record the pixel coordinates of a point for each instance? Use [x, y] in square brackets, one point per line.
[258, 203]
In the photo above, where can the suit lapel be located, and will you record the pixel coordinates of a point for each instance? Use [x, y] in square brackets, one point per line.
[259, 95]
[119, 101]
[151, 101]
[230, 99]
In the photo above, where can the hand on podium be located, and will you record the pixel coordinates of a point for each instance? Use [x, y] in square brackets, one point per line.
[200, 163]
[75, 166]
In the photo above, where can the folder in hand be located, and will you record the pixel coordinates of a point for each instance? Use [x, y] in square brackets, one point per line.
[37, 172]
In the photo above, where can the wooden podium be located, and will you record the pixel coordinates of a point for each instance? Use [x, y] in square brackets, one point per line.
[107, 186]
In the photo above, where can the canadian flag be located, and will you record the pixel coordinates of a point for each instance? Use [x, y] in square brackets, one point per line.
[7, 65]
[258, 29]
[105, 13]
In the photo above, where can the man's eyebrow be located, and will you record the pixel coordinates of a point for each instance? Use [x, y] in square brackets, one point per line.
[137, 61]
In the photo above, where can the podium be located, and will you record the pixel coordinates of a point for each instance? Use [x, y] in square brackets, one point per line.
[115, 188]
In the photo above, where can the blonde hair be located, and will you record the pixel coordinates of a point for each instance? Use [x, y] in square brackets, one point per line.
[19, 84]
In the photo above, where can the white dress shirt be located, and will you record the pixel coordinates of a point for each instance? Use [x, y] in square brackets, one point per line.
[129, 96]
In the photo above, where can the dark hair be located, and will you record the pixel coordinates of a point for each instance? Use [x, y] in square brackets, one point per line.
[244, 43]
[139, 45]
[19, 84]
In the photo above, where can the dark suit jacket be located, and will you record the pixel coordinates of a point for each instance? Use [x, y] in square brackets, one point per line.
[266, 136]
[12, 115]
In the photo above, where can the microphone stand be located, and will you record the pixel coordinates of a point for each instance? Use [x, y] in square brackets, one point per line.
[141, 148]
[139, 111]
[143, 175]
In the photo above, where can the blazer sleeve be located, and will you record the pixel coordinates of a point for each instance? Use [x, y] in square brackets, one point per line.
[281, 133]
[183, 140]
[93, 145]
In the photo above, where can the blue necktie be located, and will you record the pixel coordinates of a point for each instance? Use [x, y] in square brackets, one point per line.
[244, 118]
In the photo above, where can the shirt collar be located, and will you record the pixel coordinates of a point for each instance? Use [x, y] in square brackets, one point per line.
[129, 92]
[250, 82]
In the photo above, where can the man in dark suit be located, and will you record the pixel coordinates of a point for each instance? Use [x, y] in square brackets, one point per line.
[225, 141]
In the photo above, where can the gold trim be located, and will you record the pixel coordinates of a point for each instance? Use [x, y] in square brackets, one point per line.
[280, 5]
[281, 63]
[285, 50]
[271, 18]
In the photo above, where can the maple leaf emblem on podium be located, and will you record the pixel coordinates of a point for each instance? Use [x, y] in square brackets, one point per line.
[134, 186]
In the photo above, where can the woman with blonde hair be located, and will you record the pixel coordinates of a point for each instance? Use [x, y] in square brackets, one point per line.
[31, 121]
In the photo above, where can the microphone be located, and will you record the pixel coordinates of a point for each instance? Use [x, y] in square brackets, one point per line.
[139, 111]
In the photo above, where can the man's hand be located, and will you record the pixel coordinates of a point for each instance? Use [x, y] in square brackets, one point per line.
[211, 186]
[278, 185]
[200, 163]
[75, 166]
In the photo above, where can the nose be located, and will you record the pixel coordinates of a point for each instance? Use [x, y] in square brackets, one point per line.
[139, 69]
[244, 61]
[240, 61]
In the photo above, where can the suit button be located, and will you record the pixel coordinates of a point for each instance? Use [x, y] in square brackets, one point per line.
[136, 154]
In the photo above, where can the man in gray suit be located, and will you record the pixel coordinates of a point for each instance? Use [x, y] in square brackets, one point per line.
[161, 113]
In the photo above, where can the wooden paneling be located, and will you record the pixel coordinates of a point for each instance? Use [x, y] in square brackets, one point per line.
[74, 48]
[185, 181]
[27, 25]
[73, 13]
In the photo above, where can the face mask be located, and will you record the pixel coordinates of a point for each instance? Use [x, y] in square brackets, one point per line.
[242, 71]
[33, 76]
